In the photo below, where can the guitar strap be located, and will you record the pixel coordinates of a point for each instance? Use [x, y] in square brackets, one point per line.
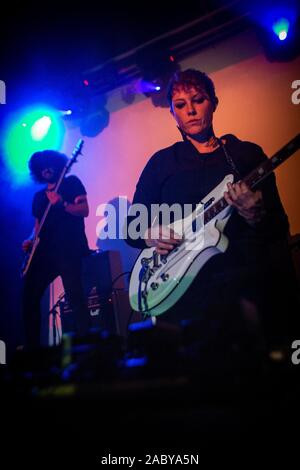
[230, 161]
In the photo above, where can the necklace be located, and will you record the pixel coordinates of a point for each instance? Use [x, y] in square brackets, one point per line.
[230, 160]
[214, 142]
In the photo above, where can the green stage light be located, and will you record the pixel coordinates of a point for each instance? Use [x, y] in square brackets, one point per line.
[29, 131]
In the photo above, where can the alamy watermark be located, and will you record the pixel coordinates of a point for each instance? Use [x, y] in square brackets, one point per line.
[118, 221]
[2, 92]
[2, 352]
[296, 94]
[296, 354]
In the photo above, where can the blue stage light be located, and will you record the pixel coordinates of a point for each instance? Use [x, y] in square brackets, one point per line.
[148, 87]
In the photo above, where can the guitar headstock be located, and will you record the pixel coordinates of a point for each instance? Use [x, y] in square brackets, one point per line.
[77, 150]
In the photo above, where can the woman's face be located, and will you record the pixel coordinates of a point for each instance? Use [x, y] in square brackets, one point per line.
[192, 110]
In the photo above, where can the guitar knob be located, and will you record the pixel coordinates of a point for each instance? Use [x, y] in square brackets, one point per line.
[165, 277]
[154, 285]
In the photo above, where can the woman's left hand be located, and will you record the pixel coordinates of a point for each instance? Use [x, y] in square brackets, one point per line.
[249, 204]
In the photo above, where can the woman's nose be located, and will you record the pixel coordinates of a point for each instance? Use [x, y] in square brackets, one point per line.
[191, 110]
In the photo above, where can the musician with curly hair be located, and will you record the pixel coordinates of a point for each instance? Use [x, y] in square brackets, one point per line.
[62, 244]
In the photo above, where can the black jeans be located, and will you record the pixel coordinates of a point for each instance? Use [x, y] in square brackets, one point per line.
[44, 269]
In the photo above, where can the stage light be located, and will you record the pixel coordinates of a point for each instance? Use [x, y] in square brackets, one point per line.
[281, 28]
[156, 90]
[148, 87]
[92, 124]
[278, 28]
[68, 112]
[28, 131]
[156, 66]
[41, 128]
[128, 93]
[282, 35]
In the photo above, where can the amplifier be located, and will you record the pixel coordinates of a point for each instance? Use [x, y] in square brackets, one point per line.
[107, 298]
[99, 307]
[107, 312]
[103, 269]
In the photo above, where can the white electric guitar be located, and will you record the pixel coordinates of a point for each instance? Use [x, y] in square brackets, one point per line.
[157, 282]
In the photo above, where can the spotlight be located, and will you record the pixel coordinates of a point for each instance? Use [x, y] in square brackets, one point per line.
[147, 87]
[278, 29]
[156, 66]
[157, 90]
[28, 131]
[40, 128]
[281, 28]
[93, 124]
[67, 112]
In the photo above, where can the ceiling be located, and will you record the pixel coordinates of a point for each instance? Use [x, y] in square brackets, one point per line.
[53, 45]
[50, 44]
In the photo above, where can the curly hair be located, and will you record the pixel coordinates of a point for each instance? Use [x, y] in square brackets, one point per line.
[191, 78]
[46, 159]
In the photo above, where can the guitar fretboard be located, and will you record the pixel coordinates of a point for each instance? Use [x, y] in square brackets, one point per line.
[257, 175]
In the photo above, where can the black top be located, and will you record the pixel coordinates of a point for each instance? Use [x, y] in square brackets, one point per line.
[181, 174]
[62, 232]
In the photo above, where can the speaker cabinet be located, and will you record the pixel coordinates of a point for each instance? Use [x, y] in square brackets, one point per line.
[107, 298]
[107, 312]
[103, 270]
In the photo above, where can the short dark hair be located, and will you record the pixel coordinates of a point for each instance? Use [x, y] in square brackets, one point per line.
[191, 78]
[46, 159]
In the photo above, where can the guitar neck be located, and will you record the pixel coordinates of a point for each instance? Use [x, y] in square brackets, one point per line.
[267, 167]
[57, 186]
[258, 175]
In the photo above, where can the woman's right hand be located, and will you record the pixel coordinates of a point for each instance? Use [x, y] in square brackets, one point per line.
[27, 245]
[163, 238]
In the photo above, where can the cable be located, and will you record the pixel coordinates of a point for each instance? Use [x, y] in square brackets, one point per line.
[118, 277]
[129, 319]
